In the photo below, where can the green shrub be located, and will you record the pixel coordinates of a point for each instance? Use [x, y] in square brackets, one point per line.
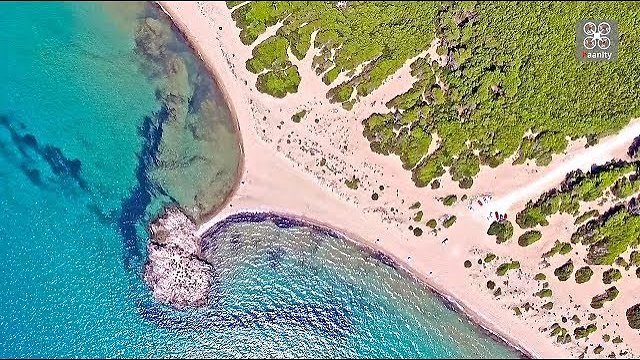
[583, 274]
[611, 275]
[585, 216]
[529, 237]
[502, 230]
[297, 117]
[577, 187]
[450, 200]
[450, 221]
[617, 340]
[517, 311]
[489, 257]
[583, 332]
[564, 271]
[279, 83]
[610, 294]
[432, 223]
[415, 205]
[633, 316]
[598, 349]
[504, 268]
[352, 183]
[544, 293]
[418, 216]
[548, 306]
[540, 277]
[558, 248]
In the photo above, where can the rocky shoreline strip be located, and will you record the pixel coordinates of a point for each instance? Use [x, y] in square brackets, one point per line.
[175, 270]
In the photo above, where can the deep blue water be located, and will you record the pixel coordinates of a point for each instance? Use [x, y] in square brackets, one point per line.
[95, 137]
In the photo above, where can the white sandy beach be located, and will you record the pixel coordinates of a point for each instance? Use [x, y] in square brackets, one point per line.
[282, 173]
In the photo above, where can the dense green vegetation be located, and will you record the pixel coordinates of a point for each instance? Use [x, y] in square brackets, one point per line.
[540, 277]
[503, 230]
[583, 274]
[578, 186]
[610, 235]
[501, 70]
[432, 223]
[380, 35]
[529, 237]
[563, 272]
[506, 267]
[499, 82]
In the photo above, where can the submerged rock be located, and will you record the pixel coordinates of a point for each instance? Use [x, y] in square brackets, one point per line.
[175, 271]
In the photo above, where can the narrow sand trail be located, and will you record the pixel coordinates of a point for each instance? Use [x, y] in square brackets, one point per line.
[597, 154]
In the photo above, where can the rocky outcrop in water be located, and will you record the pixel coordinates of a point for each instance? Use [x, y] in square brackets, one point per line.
[175, 271]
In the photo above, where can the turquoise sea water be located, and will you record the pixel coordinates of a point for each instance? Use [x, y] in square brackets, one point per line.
[97, 132]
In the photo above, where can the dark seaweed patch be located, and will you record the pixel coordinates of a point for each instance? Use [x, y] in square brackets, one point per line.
[384, 258]
[30, 150]
[274, 256]
[329, 319]
[33, 175]
[202, 90]
[134, 207]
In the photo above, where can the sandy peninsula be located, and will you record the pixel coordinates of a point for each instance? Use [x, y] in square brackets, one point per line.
[299, 169]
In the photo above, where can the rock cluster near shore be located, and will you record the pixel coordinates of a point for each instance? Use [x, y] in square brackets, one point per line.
[175, 271]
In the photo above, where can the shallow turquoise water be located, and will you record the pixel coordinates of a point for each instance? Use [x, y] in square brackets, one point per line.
[83, 167]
